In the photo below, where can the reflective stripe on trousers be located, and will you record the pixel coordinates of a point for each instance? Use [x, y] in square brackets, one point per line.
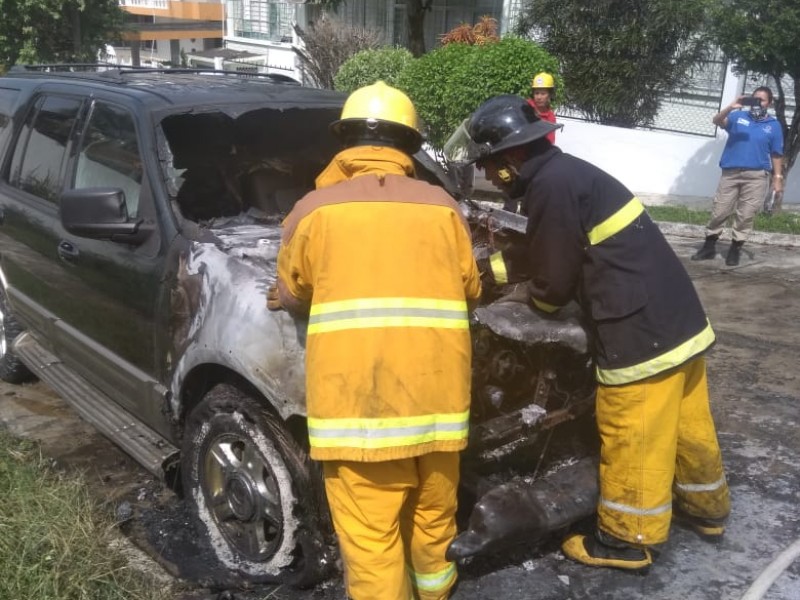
[656, 434]
[394, 521]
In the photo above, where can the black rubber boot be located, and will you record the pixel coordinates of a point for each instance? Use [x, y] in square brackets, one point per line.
[733, 254]
[709, 249]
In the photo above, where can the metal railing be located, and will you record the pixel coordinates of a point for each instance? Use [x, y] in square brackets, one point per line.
[149, 4]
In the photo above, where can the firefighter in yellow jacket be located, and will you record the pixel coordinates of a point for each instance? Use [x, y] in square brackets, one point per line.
[589, 239]
[382, 265]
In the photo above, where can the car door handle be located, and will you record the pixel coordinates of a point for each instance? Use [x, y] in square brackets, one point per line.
[67, 251]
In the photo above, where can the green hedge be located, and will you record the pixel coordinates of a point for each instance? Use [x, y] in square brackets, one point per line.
[368, 66]
[449, 83]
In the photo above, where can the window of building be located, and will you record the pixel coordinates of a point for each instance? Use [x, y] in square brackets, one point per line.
[262, 19]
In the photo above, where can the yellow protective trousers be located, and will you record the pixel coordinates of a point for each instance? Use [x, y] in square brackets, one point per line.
[657, 439]
[394, 520]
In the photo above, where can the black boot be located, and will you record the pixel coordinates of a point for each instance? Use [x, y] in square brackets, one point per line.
[709, 250]
[733, 254]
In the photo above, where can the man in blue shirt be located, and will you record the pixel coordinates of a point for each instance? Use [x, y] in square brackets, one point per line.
[752, 158]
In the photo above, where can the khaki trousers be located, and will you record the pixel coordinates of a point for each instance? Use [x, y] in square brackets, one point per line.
[658, 439]
[741, 193]
[394, 520]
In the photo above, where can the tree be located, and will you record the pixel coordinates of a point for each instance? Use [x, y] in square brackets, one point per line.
[762, 37]
[619, 57]
[416, 11]
[328, 43]
[56, 30]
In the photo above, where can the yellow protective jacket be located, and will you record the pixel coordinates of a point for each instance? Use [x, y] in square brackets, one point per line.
[385, 263]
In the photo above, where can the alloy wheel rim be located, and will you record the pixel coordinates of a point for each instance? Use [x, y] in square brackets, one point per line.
[243, 496]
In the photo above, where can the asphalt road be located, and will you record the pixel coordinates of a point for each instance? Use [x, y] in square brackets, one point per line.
[755, 389]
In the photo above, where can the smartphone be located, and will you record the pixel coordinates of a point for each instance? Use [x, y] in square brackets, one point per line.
[751, 101]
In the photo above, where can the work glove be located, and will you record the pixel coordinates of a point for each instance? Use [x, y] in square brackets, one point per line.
[273, 298]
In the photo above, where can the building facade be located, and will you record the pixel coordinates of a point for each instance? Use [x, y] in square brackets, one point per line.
[263, 32]
[159, 32]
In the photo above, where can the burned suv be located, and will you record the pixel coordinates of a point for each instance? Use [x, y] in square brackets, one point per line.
[139, 226]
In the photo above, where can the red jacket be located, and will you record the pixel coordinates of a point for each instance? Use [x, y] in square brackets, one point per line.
[547, 115]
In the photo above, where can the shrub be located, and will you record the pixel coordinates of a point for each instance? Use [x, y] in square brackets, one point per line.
[449, 83]
[426, 80]
[369, 66]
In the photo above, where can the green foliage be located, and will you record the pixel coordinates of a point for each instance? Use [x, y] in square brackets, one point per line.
[446, 85]
[56, 30]
[618, 57]
[762, 37]
[369, 66]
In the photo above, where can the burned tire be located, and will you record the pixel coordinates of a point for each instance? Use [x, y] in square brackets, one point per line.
[254, 491]
[11, 368]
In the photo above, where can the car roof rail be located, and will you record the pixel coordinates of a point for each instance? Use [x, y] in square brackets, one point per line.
[60, 67]
[119, 71]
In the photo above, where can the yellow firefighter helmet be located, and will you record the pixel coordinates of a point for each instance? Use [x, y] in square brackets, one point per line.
[379, 114]
[543, 80]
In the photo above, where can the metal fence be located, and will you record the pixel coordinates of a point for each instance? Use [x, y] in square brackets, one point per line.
[689, 108]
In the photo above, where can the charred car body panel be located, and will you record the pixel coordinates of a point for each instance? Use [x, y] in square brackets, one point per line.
[140, 223]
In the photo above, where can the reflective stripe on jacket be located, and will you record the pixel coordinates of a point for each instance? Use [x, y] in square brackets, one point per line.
[590, 240]
[386, 263]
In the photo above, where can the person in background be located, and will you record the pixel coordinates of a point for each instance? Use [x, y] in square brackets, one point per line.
[751, 160]
[543, 91]
[381, 264]
[590, 240]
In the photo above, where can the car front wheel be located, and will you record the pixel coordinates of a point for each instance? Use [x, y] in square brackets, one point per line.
[254, 490]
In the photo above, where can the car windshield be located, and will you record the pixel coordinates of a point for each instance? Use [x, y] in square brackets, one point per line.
[259, 163]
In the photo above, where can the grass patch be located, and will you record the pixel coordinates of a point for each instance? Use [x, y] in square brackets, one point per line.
[54, 540]
[785, 222]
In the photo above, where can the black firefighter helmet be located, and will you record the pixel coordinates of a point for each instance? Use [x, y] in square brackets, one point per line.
[498, 124]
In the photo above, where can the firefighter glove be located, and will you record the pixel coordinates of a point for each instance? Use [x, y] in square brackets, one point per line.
[273, 298]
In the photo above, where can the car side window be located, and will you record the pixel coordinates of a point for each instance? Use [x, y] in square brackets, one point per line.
[8, 99]
[41, 149]
[109, 154]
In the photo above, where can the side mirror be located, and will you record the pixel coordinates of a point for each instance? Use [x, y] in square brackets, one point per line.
[100, 213]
